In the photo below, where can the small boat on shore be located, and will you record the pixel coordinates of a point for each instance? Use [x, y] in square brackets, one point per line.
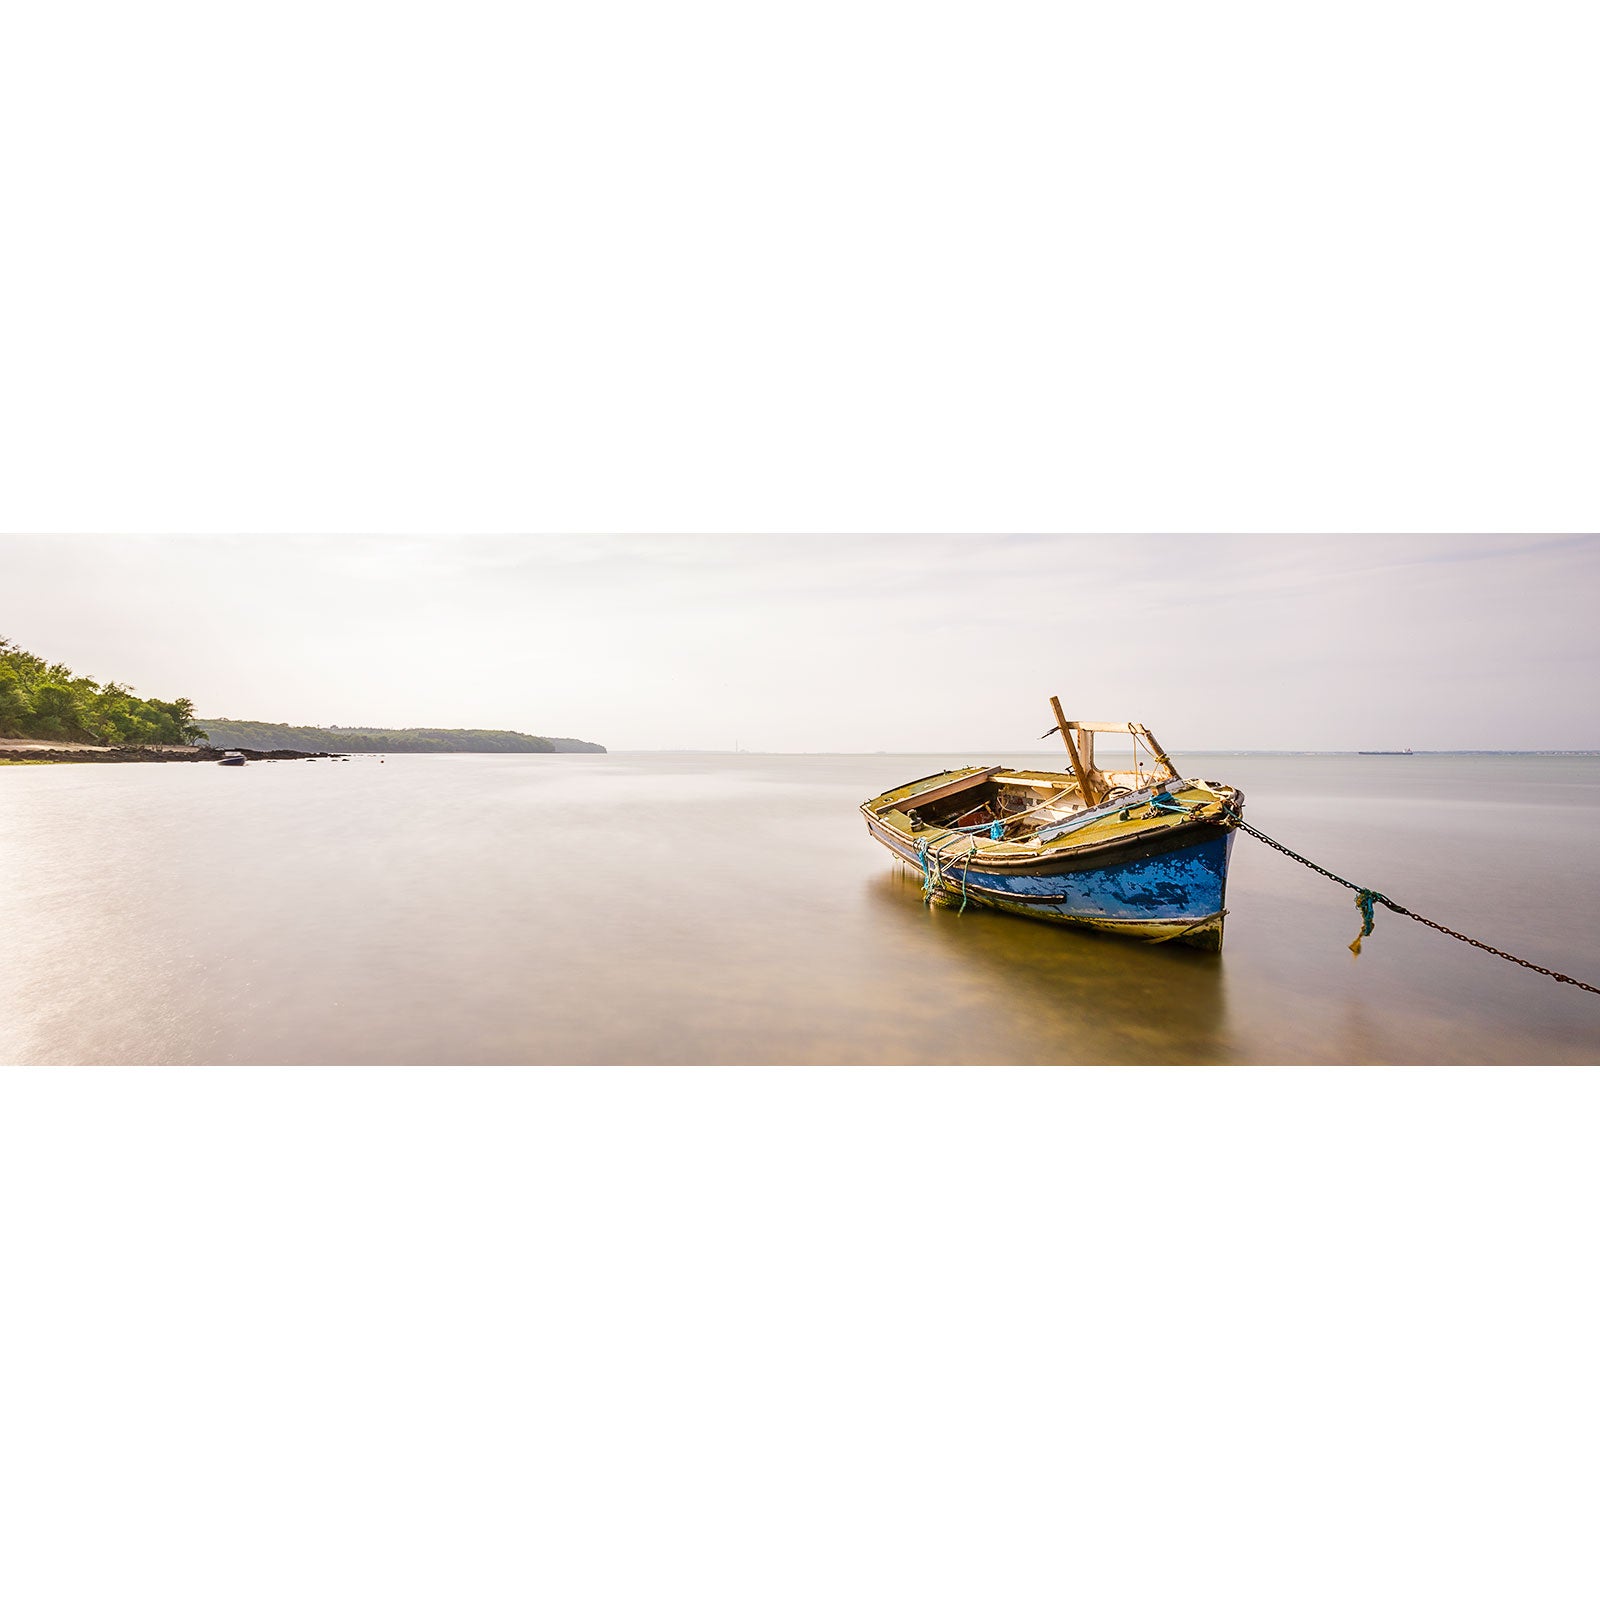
[1141, 852]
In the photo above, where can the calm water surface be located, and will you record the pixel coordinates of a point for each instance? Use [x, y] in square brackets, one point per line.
[687, 908]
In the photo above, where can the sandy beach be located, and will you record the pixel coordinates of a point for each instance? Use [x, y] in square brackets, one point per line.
[61, 744]
[24, 752]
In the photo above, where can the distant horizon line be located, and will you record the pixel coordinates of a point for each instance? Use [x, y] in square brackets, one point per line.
[723, 750]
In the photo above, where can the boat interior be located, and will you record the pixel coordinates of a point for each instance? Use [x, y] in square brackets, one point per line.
[1024, 803]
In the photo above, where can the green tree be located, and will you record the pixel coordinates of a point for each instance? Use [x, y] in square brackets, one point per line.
[40, 700]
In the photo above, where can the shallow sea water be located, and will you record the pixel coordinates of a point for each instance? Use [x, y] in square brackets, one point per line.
[658, 908]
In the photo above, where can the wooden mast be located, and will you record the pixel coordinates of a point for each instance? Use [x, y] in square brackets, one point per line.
[1086, 784]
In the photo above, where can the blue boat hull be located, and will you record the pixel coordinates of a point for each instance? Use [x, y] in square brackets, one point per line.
[1176, 894]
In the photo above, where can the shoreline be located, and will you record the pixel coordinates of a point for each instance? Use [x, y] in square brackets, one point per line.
[41, 752]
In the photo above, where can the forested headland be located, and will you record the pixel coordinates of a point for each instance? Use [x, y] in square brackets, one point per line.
[382, 741]
[47, 700]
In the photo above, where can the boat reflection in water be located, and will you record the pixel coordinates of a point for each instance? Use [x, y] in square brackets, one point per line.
[1141, 852]
[1010, 989]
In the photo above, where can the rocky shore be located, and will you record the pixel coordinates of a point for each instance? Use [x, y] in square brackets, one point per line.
[19, 751]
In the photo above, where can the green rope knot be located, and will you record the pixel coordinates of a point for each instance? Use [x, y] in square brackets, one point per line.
[933, 866]
[1365, 899]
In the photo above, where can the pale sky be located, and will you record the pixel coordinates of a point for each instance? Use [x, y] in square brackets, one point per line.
[834, 643]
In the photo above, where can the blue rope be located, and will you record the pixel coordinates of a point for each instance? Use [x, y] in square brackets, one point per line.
[1162, 802]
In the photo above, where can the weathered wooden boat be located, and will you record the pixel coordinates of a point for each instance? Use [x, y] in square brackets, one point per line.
[1142, 852]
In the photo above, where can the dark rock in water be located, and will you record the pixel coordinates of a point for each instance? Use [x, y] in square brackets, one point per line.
[276, 755]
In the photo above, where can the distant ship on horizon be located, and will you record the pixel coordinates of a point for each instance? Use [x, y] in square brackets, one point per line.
[1406, 752]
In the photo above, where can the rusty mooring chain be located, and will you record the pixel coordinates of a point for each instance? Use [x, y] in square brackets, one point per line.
[1367, 898]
